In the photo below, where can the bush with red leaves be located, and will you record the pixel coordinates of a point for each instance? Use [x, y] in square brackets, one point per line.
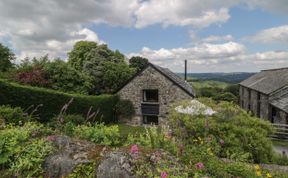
[34, 77]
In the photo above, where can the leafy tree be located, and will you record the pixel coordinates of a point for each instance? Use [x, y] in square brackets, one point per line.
[6, 58]
[66, 78]
[79, 53]
[107, 68]
[226, 96]
[234, 89]
[115, 75]
[138, 62]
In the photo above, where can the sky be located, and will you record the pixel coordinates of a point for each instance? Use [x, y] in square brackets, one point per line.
[212, 35]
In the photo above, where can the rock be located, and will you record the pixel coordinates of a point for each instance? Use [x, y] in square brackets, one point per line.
[115, 165]
[70, 153]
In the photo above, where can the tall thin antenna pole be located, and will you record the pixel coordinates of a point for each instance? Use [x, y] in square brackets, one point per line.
[185, 74]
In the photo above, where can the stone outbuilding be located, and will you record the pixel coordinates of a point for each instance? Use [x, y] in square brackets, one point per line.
[152, 91]
[265, 95]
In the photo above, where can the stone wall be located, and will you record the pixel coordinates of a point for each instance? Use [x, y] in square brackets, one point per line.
[151, 79]
[253, 102]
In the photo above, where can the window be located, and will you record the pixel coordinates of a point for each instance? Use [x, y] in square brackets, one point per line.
[150, 95]
[147, 119]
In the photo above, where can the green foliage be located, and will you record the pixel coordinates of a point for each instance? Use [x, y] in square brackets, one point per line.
[125, 108]
[138, 62]
[115, 75]
[99, 133]
[28, 162]
[245, 137]
[79, 53]
[13, 115]
[12, 139]
[6, 58]
[66, 78]
[53, 101]
[83, 170]
[227, 96]
[107, 68]
[234, 89]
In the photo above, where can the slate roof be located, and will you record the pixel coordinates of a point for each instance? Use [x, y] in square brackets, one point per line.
[267, 81]
[169, 75]
[280, 99]
[175, 79]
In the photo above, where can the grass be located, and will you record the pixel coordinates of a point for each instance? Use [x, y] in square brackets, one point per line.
[125, 130]
[208, 84]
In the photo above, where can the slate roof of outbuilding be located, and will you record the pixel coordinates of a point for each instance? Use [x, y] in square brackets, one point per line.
[169, 75]
[267, 81]
[176, 79]
[280, 99]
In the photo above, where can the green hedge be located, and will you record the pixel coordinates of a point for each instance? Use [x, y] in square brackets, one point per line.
[24, 96]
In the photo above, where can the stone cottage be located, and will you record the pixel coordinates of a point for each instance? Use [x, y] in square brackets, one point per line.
[152, 91]
[265, 95]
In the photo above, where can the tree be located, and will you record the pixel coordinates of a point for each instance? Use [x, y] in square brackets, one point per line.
[94, 59]
[138, 62]
[115, 75]
[6, 58]
[79, 53]
[66, 78]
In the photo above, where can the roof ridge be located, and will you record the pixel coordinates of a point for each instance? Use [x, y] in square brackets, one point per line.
[274, 69]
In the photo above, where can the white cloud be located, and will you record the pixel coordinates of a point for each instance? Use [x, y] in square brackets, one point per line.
[272, 35]
[198, 14]
[224, 57]
[214, 38]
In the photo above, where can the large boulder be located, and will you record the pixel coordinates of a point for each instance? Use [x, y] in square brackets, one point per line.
[115, 165]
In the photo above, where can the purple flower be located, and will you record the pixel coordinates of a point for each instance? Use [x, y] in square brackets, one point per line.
[164, 174]
[51, 138]
[221, 142]
[199, 165]
[134, 149]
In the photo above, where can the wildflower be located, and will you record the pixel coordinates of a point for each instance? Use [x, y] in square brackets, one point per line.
[268, 175]
[257, 167]
[134, 149]
[164, 174]
[221, 142]
[258, 173]
[199, 165]
[51, 138]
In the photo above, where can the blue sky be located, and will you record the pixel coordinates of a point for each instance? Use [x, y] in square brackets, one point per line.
[213, 35]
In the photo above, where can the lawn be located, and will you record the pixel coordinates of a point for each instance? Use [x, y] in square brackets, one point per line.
[127, 129]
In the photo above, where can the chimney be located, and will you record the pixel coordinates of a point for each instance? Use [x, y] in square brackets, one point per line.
[185, 74]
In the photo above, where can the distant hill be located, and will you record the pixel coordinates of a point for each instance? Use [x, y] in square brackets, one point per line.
[222, 77]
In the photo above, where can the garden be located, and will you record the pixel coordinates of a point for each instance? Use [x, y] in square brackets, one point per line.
[228, 143]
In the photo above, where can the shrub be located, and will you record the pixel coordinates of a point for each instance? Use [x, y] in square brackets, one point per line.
[227, 96]
[25, 96]
[13, 138]
[99, 133]
[28, 162]
[125, 108]
[12, 115]
[244, 137]
[34, 77]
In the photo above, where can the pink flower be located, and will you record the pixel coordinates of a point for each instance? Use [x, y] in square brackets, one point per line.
[199, 165]
[51, 138]
[221, 142]
[164, 174]
[134, 149]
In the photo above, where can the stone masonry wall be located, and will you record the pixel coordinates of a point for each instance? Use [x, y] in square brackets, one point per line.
[245, 101]
[151, 79]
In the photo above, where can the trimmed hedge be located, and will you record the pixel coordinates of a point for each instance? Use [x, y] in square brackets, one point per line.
[24, 96]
